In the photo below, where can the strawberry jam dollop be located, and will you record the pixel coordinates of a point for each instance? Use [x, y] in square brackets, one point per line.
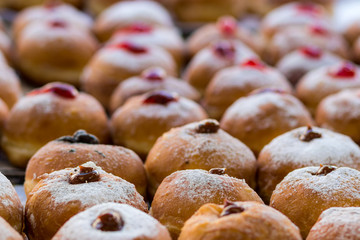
[225, 49]
[154, 74]
[319, 30]
[59, 89]
[345, 70]
[254, 63]
[227, 25]
[136, 28]
[311, 52]
[160, 97]
[130, 47]
[58, 23]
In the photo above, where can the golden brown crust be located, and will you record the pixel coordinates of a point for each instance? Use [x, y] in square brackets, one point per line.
[255, 221]
[183, 148]
[303, 194]
[36, 120]
[4, 113]
[10, 90]
[57, 155]
[182, 193]
[137, 125]
[11, 208]
[54, 200]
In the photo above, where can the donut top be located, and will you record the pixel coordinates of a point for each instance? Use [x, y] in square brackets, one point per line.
[89, 185]
[161, 97]
[312, 145]
[58, 89]
[7, 192]
[130, 47]
[346, 71]
[80, 136]
[136, 28]
[227, 25]
[112, 221]
[330, 183]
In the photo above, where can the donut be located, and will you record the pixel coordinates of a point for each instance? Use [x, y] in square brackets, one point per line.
[47, 113]
[296, 64]
[263, 115]
[50, 10]
[229, 84]
[122, 14]
[142, 33]
[199, 145]
[72, 151]
[11, 209]
[5, 45]
[337, 112]
[7, 232]
[182, 193]
[10, 89]
[4, 113]
[218, 55]
[292, 38]
[62, 194]
[337, 223]
[116, 62]
[226, 27]
[151, 79]
[239, 220]
[142, 119]
[302, 147]
[293, 14]
[306, 192]
[327, 80]
[54, 50]
[110, 221]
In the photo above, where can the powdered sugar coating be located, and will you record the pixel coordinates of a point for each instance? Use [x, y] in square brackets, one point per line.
[137, 225]
[337, 223]
[7, 193]
[7, 232]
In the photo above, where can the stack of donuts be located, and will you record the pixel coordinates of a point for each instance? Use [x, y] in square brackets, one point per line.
[247, 128]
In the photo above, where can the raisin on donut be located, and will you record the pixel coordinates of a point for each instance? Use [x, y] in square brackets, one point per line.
[182, 193]
[142, 119]
[62, 194]
[199, 145]
[72, 151]
[55, 110]
[239, 220]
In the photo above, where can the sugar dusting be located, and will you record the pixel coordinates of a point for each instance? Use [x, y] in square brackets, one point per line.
[7, 192]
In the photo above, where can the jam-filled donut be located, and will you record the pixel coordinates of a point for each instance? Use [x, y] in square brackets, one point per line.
[305, 193]
[142, 119]
[109, 221]
[11, 209]
[125, 13]
[263, 115]
[47, 113]
[337, 223]
[303, 60]
[327, 80]
[116, 62]
[182, 193]
[7, 232]
[229, 84]
[239, 220]
[218, 55]
[142, 33]
[302, 147]
[151, 79]
[54, 50]
[50, 10]
[226, 27]
[72, 151]
[10, 89]
[200, 145]
[62, 194]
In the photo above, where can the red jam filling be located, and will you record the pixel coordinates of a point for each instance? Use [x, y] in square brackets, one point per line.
[58, 24]
[319, 30]
[137, 28]
[308, 8]
[225, 49]
[61, 90]
[130, 47]
[346, 70]
[227, 25]
[154, 74]
[160, 97]
[312, 52]
[254, 63]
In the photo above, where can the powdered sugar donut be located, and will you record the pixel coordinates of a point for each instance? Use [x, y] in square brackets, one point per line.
[62, 194]
[110, 221]
[337, 223]
[300, 148]
[182, 193]
[305, 193]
